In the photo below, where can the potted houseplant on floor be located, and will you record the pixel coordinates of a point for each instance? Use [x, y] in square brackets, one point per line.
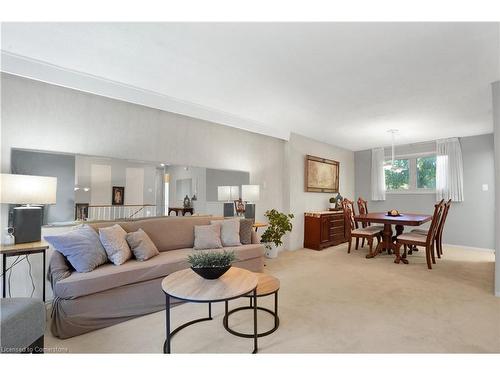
[211, 264]
[279, 224]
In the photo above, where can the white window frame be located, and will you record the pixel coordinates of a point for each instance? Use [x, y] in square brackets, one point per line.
[412, 158]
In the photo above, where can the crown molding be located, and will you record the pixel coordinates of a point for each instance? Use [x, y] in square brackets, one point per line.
[46, 72]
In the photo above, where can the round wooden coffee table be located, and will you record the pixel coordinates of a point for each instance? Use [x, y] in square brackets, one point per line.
[266, 286]
[188, 286]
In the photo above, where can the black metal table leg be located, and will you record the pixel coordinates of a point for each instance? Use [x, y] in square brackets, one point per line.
[4, 274]
[166, 345]
[43, 276]
[255, 334]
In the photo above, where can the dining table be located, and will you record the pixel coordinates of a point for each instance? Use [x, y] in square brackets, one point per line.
[388, 240]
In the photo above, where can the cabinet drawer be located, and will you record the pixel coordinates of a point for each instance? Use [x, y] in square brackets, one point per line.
[337, 237]
[336, 231]
[337, 224]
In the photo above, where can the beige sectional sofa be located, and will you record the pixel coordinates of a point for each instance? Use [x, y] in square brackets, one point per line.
[111, 294]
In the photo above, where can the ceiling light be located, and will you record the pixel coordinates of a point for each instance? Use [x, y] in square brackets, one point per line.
[390, 166]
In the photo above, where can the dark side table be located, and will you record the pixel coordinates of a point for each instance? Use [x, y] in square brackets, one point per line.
[19, 250]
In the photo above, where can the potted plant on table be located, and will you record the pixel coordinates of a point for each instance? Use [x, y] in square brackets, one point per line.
[279, 224]
[333, 202]
[211, 264]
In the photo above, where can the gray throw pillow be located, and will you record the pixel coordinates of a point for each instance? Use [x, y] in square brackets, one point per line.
[141, 245]
[81, 247]
[246, 231]
[113, 239]
[207, 237]
[229, 232]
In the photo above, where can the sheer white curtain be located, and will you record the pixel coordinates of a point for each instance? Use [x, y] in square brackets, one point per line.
[378, 174]
[449, 170]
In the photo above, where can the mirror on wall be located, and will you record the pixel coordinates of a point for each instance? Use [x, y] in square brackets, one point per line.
[92, 188]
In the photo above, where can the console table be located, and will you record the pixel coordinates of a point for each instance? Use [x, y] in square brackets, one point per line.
[324, 229]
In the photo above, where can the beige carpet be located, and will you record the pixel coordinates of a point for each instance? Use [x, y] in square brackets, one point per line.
[335, 302]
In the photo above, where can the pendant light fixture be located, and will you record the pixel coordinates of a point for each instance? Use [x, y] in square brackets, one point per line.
[390, 165]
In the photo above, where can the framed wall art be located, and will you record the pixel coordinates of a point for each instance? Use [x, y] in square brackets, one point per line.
[321, 175]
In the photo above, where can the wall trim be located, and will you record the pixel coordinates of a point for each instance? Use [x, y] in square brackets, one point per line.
[57, 75]
[470, 247]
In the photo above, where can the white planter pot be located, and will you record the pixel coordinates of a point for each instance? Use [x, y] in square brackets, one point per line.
[272, 252]
[332, 205]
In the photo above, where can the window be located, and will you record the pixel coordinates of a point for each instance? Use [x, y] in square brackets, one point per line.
[412, 174]
[398, 177]
[426, 172]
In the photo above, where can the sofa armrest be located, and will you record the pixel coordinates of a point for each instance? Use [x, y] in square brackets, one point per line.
[255, 237]
[59, 268]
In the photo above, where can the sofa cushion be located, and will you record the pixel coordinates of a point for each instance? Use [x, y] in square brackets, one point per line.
[246, 230]
[167, 233]
[114, 241]
[141, 245]
[229, 232]
[81, 246]
[207, 237]
[133, 271]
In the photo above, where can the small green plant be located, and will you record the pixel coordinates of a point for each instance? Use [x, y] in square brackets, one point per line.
[333, 200]
[279, 224]
[211, 259]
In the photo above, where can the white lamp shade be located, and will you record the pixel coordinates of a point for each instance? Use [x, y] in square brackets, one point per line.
[25, 189]
[223, 193]
[235, 193]
[250, 193]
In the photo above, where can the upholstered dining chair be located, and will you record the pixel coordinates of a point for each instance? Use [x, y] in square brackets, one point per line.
[439, 235]
[368, 233]
[424, 240]
[363, 209]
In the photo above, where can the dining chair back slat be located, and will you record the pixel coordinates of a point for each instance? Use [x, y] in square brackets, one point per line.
[436, 219]
[363, 209]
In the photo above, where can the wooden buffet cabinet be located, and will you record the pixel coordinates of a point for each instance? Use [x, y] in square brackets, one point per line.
[323, 229]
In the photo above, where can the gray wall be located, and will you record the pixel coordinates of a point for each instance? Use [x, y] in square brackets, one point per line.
[53, 165]
[496, 124]
[470, 223]
[298, 199]
[41, 116]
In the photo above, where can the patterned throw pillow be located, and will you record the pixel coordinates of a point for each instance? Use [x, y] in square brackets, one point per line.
[115, 243]
[141, 245]
[246, 231]
[229, 232]
[81, 247]
[207, 237]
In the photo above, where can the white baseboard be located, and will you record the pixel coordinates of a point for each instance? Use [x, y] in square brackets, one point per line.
[470, 247]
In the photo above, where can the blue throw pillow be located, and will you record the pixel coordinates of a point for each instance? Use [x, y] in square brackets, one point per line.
[81, 247]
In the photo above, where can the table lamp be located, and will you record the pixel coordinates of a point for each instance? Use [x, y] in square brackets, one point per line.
[250, 194]
[228, 194]
[27, 191]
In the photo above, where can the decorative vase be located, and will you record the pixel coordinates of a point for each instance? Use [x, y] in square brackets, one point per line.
[271, 252]
[211, 273]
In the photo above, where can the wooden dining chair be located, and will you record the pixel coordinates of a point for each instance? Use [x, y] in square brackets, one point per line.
[352, 230]
[424, 240]
[439, 235]
[363, 209]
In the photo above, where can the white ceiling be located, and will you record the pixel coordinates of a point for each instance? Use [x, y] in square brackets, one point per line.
[341, 83]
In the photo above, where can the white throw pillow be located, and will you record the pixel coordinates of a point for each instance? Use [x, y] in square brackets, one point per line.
[114, 241]
[229, 232]
[207, 237]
